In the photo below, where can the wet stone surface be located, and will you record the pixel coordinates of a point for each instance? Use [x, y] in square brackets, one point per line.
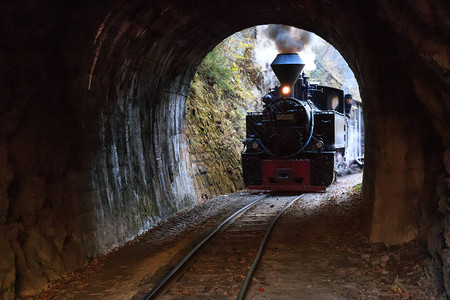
[316, 251]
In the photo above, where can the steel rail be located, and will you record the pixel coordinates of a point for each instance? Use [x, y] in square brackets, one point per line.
[168, 276]
[246, 282]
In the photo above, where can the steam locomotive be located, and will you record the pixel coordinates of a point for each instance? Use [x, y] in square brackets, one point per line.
[293, 144]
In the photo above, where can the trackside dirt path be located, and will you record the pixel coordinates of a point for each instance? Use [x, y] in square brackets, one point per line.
[316, 251]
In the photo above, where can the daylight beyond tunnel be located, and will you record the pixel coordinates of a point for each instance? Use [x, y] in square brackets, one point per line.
[233, 84]
[92, 144]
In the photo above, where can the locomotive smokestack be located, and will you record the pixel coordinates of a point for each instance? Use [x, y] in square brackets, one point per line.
[287, 67]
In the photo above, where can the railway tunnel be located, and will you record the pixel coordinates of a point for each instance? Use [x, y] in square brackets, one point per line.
[92, 148]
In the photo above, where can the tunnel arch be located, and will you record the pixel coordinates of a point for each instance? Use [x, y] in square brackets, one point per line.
[96, 141]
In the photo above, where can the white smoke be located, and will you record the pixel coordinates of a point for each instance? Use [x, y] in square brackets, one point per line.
[288, 39]
[266, 47]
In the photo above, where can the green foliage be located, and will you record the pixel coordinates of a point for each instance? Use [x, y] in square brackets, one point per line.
[215, 69]
[357, 188]
[230, 66]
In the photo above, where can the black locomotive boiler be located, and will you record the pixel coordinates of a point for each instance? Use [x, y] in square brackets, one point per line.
[291, 144]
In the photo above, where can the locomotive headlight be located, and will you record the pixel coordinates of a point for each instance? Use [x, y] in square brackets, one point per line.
[286, 90]
[319, 144]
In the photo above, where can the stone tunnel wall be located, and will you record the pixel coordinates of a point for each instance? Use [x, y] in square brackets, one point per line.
[140, 172]
[92, 150]
[419, 122]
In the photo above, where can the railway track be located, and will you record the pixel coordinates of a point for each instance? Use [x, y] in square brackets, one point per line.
[222, 264]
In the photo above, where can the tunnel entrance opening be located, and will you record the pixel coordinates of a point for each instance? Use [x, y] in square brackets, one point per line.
[232, 80]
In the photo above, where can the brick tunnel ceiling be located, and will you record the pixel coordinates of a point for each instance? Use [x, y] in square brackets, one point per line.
[93, 116]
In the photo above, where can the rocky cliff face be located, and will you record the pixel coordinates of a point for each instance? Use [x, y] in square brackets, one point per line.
[214, 146]
[221, 93]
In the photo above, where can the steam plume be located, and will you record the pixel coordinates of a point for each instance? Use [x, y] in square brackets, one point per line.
[288, 39]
